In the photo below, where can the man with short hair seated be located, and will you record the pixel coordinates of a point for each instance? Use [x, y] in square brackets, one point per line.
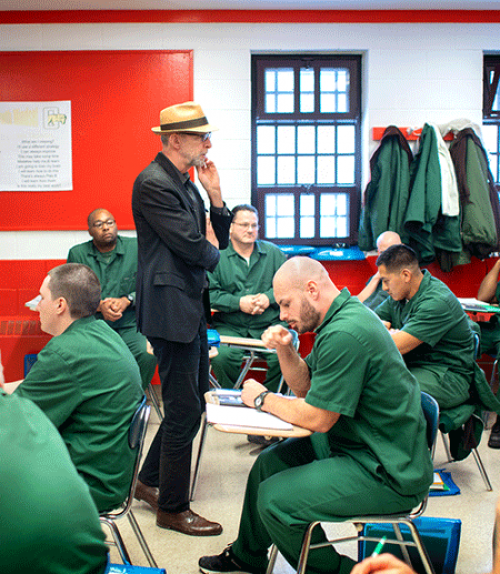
[87, 382]
[50, 523]
[241, 290]
[362, 404]
[428, 325]
[113, 258]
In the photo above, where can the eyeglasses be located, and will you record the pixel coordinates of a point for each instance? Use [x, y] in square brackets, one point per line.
[204, 137]
[252, 226]
[99, 224]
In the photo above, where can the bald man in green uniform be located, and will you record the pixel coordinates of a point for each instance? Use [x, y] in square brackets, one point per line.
[113, 259]
[428, 325]
[50, 523]
[87, 382]
[361, 402]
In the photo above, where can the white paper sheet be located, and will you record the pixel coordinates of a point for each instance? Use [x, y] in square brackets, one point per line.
[244, 417]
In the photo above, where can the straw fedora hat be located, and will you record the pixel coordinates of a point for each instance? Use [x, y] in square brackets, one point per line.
[186, 117]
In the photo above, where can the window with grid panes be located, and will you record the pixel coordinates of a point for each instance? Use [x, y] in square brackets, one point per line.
[306, 148]
[491, 114]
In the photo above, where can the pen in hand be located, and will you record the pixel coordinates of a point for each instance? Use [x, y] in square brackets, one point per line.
[380, 545]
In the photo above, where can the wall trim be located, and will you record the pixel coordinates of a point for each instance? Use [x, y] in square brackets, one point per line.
[249, 16]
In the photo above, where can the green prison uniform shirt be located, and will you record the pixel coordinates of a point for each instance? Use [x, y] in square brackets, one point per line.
[117, 272]
[444, 363]
[88, 384]
[234, 278]
[357, 371]
[49, 522]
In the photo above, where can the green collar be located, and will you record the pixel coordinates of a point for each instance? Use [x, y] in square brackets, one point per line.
[335, 307]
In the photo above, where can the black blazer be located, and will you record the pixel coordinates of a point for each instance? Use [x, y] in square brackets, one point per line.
[173, 253]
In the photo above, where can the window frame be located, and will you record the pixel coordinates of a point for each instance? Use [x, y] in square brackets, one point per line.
[491, 63]
[352, 117]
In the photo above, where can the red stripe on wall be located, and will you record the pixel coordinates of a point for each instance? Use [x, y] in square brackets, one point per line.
[249, 16]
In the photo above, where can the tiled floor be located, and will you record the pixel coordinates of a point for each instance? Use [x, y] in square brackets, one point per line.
[225, 465]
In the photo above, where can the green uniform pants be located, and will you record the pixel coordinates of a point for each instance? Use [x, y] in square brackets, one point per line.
[227, 364]
[137, 343]
[290, 485]
[448, 388]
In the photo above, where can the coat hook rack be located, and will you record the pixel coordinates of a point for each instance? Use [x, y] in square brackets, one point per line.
[410, 134]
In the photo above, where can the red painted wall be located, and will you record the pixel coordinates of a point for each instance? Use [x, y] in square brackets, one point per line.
[20, 333]
[116, 98]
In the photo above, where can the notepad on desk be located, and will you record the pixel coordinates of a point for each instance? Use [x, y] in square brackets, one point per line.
[244, 417]
[474, 305]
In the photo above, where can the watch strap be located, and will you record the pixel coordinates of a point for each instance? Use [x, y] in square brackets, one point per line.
[259, 400]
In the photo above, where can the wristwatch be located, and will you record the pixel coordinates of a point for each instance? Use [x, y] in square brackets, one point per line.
[259, 400]
[130, 298]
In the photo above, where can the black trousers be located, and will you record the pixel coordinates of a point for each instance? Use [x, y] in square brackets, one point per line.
[183, 370]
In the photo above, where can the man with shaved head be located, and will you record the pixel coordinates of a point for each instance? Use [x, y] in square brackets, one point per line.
[361, 403]
[373, 294]
[113, 258]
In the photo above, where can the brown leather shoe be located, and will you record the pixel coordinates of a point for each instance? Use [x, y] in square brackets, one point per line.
[187, 522]
[147, 493]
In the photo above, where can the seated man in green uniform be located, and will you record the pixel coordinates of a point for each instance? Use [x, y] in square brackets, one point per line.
[373, 294]
[489, 292]
[50, 523]
[87, 382]
[113, 258]
[353, 382]
[428, 325]
[241, 291]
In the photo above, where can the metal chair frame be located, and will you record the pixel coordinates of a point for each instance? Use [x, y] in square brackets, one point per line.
[154, 400]
[431, 413]
[136, 437]
[475, 452]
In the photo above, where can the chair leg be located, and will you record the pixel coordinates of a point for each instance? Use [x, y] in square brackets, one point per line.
[154, 400]
[404, 549]
[482, 470]
[194, 482]
[446, 447]
[117, 539]
[273, 554]
[141, 539]
[424, 557]
[214, 383]
[304, 551]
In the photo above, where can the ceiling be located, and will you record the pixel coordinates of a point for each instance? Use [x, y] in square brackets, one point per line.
[249, 5]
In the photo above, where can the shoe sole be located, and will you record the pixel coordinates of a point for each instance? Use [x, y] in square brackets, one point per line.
[188, 533]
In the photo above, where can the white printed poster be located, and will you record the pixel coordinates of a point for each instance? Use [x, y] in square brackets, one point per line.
[35, 146]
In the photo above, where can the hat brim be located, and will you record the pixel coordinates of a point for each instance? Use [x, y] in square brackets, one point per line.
[199, 130]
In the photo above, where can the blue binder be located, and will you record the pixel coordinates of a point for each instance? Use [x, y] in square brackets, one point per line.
[441, 538]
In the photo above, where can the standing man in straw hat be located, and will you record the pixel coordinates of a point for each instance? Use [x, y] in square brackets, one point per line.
[177, 246]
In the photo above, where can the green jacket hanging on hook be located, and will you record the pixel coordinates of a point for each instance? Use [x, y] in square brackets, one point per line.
[386, 195]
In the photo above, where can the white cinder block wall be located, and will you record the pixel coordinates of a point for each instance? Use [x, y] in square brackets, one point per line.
[412, 73]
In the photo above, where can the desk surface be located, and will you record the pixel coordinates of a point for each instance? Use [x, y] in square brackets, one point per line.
[243, 342]
[477, 310]
[211, 397]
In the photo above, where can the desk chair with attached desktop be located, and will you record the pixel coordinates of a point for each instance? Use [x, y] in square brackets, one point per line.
[255, 348]
[431, 413]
